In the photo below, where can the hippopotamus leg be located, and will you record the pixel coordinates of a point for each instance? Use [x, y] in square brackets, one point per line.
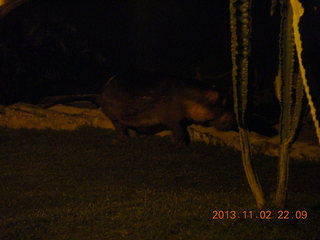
[179, 133]
[119, 127]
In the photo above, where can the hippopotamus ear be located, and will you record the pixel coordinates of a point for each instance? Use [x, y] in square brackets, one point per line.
[224, 102]
[198, 76]
[212, 96]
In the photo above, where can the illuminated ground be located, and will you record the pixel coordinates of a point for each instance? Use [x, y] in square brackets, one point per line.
[62, 117]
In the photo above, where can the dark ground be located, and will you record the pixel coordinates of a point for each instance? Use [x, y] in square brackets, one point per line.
[86, 184]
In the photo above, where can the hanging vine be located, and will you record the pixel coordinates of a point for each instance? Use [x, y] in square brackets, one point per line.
[298, 11]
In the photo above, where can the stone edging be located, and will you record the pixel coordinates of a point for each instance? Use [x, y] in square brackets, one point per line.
[61, 117]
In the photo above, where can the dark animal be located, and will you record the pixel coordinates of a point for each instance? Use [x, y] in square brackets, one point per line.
[149, 102]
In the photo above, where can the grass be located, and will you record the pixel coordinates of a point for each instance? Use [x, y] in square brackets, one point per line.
[87, 184]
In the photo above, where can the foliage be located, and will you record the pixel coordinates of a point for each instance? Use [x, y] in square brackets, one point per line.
[290, 85]
[290, 99]
[42, 54]
[240, 48]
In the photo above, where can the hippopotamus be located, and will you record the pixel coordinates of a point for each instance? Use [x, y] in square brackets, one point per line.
[149, 102]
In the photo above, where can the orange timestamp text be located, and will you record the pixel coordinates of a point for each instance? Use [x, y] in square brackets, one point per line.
[262, 214]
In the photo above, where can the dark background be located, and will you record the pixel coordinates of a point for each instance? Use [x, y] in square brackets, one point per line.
[58, 47]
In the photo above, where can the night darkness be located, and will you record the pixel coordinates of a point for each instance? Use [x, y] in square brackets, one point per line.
[163, 58]
[57, 47]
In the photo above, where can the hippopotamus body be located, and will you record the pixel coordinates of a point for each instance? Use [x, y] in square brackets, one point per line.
[149, 102]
